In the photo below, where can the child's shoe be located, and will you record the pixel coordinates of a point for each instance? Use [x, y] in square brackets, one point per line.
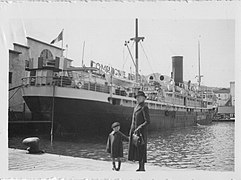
[119, 165]
[113, 168]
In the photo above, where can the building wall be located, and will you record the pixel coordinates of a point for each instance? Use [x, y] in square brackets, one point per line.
[36, 47]
[222, 98]
[232, 92]
[16, 67]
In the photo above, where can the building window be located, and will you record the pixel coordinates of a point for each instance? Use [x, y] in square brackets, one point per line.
[46, 54]
[10, 77]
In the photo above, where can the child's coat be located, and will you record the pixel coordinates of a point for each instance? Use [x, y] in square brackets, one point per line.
[115, 144]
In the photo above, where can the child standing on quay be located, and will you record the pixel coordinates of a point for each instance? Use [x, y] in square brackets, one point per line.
[115, 145]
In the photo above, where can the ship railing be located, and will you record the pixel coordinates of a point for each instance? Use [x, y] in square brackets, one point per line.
[46, 81]
[180, 99]
[95, 87]
[64, 81]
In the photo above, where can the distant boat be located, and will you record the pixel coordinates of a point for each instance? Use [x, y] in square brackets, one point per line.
[232, 119]
[224, 119]
[86, 100]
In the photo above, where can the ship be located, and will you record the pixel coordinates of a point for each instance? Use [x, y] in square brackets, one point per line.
[87, 100]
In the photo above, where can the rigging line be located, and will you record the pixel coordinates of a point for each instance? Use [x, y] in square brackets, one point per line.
[147, 58]
[14, 93]
[130, 54]
[124, 58]
[127, 55]
[15, 87]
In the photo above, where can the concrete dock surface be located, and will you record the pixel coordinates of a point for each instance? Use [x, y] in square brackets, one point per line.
[52, 166]
[22, 160]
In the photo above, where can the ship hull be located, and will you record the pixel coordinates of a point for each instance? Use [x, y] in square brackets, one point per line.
[76, 115]
[81, 112]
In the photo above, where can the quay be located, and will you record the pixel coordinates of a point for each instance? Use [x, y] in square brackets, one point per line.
[53, 166]
[21, 160]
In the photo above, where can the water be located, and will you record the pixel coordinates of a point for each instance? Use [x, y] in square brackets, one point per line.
[208, 147]
[201, 147]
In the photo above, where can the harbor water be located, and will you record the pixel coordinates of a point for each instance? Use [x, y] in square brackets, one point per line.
[208, 147]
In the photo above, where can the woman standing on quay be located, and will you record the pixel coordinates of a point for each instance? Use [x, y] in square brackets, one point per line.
[140, 120]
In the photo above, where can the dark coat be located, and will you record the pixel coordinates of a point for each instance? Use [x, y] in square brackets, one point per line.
[140, 120]
[115, 144]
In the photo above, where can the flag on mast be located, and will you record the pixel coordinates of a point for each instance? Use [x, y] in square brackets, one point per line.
[59, 38]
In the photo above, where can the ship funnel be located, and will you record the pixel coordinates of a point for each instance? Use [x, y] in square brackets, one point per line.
[177, 69]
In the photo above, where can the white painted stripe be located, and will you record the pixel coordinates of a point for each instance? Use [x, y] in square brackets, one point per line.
[62, 92]
[81, 94]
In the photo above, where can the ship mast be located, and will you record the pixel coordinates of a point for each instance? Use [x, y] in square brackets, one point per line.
[83, 51]
[199, 72]
[137, 39]
[199, 66]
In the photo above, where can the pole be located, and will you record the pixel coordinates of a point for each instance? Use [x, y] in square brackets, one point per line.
[137, 68]
[62, 55]
[67, 48]
[137, 39]
[52, 113]
[82, 63]
[62, 43]
[199, 72]
[111, 87]
[199, 76]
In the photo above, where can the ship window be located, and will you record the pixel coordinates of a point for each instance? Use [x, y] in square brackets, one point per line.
[46, 54]
[116, 101]
[126, 101]
[161, 77]
[32, 73]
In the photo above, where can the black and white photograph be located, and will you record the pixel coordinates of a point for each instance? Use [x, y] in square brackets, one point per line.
[120, 90]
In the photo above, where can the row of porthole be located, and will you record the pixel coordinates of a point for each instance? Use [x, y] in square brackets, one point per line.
[161, 78]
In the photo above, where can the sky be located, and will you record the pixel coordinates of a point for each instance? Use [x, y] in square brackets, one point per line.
[104, 37]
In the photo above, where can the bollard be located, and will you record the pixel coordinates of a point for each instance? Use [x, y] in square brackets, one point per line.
[33, 145]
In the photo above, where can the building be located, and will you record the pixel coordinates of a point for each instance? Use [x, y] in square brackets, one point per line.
[24, 58]
[14, 78]
[226, 102]
[232, 92]
[16, 73]
[223, 96]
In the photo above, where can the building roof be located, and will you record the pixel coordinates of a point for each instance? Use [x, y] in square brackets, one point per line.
[14, 52]
[21, 45]
[44, 43]
[68, 59]
[222, 91]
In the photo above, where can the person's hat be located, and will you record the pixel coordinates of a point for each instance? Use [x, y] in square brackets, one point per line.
[115, 124]
[140, 93]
